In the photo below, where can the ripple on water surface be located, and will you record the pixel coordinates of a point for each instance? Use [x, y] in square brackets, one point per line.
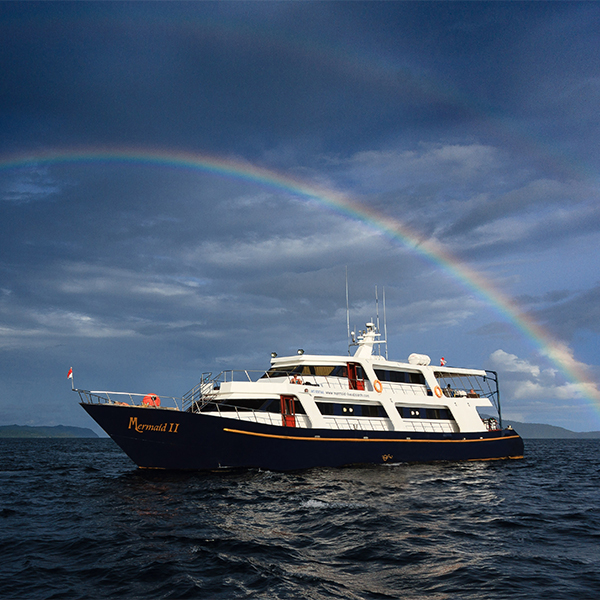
[78, 520]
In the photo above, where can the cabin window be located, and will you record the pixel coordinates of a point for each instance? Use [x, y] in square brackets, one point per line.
[419, 412]
[260, 404]
[438, 413]
[400, 376]
[334, 371]
[326, 408]
[283, 371]
[325, 370]
[316, 370]
[351, 410]
[372, 411]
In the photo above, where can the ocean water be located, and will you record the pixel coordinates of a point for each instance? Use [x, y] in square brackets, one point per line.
[78, 520]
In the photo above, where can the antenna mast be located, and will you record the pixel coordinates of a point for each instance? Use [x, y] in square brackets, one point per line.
[347, 308]
[377, 312]
[385, 326]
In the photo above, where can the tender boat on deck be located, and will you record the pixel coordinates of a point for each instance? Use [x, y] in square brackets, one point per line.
[311, 410]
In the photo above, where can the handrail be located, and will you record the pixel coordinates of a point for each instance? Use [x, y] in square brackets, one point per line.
[205, 391]
[494, 395]
[104, 397]
[395, 387]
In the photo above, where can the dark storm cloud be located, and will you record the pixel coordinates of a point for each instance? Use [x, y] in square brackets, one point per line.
[550, 297]
[564, 313]
[473, 198]
[135, 74]
[539, 196]
[577, 313]
[101, 78]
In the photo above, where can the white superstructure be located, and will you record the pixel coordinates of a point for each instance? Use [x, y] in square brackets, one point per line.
[363, 392]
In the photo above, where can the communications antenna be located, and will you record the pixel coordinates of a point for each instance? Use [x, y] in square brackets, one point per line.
[377, 313]
[347, 310]
[385, 326]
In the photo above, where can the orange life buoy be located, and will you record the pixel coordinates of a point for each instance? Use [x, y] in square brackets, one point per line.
[437, 390]
[377, 385]
[151, 400]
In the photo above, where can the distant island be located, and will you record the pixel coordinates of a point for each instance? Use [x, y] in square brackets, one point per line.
[532, 431]
[58, 431]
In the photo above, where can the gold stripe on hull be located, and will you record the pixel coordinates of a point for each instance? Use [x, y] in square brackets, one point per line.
[322, 439]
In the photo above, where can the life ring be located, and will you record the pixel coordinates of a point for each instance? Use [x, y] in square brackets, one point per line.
[377, 385]
[437, 390]
[296, 379]
[151, 400]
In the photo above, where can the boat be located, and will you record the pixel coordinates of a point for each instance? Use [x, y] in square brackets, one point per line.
[314, 411]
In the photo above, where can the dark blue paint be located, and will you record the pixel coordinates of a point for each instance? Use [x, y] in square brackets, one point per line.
[198, 441]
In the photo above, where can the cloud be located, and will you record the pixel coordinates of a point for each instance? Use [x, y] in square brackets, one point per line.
[572, 314]
[513, 364]
[38, 328]
[30, 184]
[472, 197]
[434, 313]
[425, 171]
[529, 383]
[528, 199]
[288, 252]
[549, 297]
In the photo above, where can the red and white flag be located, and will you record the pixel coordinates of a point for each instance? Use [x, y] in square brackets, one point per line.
[442, 361]
[70, 373]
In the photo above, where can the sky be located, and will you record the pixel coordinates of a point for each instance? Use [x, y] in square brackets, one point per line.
[183, 187]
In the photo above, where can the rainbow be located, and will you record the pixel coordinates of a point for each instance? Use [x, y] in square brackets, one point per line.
[556, 351]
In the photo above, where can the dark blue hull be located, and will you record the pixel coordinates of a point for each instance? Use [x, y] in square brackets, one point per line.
[166, 439]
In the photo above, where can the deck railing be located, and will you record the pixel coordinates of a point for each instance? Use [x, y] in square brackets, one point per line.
[126, 398]
[203, 393]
